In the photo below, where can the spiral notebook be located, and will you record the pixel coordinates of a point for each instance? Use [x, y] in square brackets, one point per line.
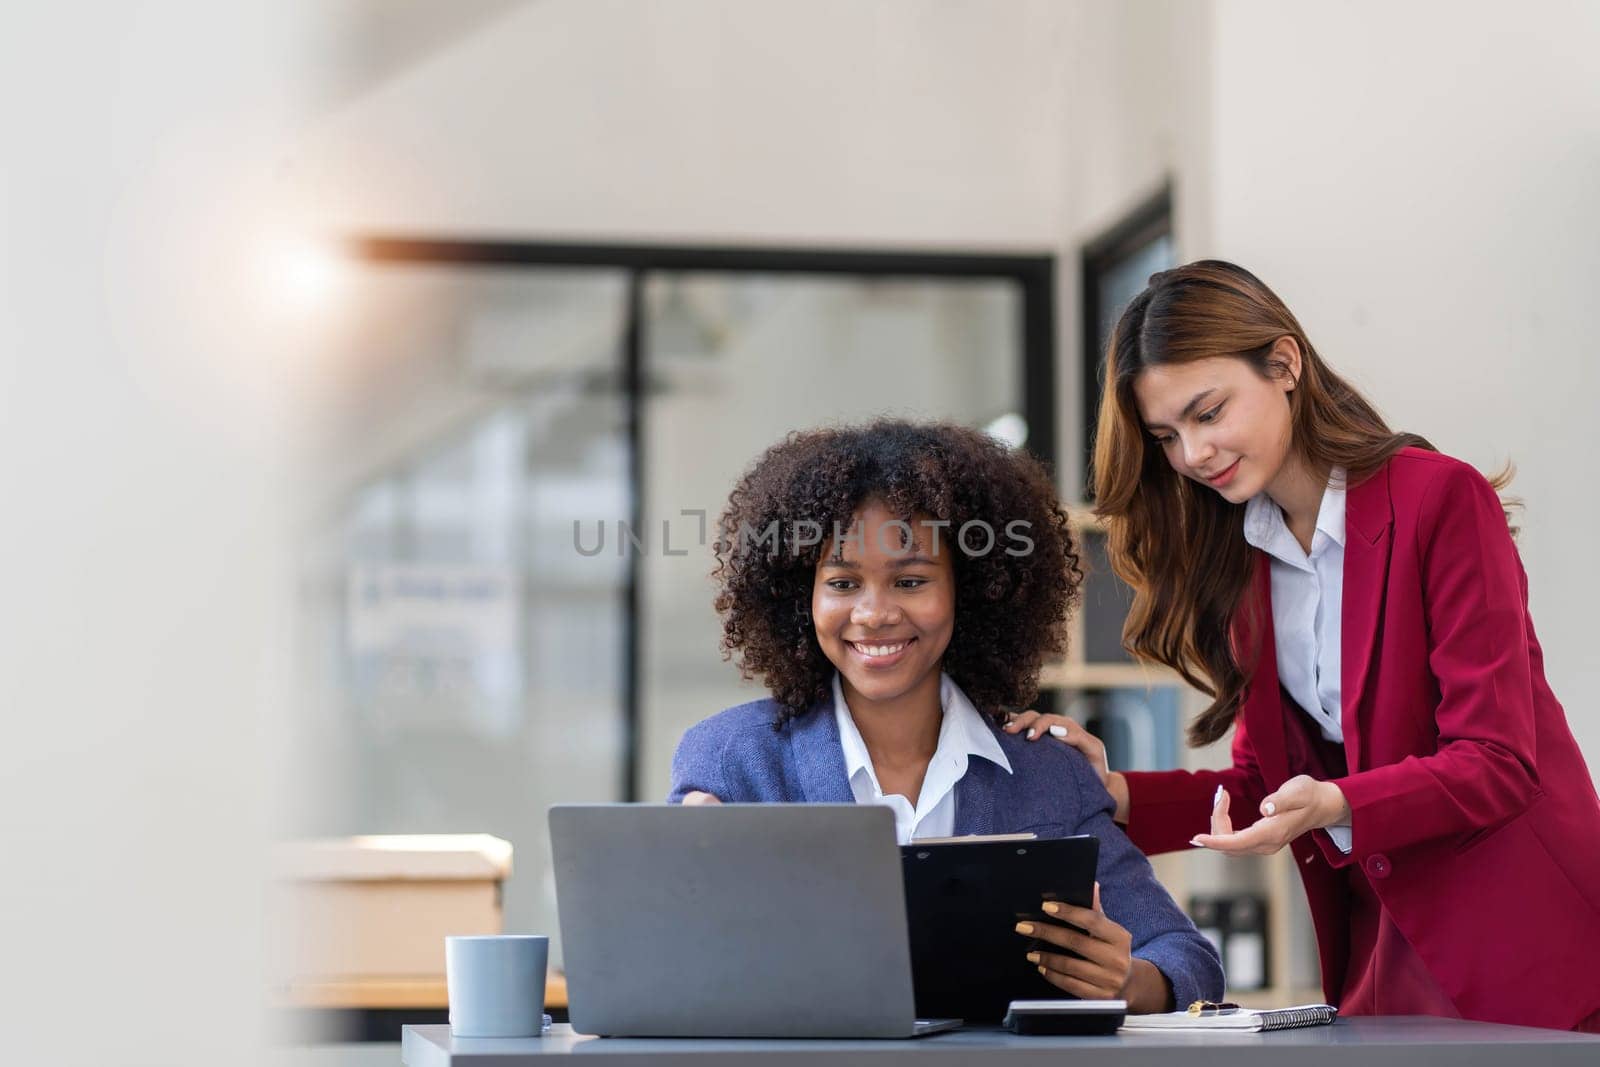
[1244, 1019]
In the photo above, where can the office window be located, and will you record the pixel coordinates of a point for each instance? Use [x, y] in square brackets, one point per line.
[499, 616]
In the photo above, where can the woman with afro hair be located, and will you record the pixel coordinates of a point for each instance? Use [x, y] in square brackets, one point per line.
[897, 587]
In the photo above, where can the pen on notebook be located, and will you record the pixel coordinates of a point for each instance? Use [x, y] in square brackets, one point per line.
[1207, 1007]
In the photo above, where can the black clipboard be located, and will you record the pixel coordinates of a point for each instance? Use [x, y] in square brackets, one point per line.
[963, 901]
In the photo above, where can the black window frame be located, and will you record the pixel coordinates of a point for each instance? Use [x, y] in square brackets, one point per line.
[1149, 221]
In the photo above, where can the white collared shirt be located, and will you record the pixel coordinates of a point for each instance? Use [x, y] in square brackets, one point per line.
[1307, 598]
[963, 733]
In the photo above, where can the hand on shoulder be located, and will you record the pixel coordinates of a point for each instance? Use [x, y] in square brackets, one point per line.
[1033, 727]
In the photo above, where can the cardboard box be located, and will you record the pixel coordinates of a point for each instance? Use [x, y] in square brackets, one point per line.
[381, 906]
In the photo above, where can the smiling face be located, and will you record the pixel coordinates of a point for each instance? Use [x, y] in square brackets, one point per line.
[884, 606]
[1220, 422]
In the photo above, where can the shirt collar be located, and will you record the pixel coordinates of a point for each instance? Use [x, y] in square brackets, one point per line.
[1265, 529]
[1330, 515]
[963, 732]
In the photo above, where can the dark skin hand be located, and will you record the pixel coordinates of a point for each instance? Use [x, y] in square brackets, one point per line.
[1107, 969]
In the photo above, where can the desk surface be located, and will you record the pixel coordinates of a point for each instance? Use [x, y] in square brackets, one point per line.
[1373, 1042]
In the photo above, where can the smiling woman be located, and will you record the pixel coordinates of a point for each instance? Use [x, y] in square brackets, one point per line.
[893, 647]
[1354, 603]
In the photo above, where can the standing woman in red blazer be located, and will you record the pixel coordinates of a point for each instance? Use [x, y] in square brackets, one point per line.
[1354, 604]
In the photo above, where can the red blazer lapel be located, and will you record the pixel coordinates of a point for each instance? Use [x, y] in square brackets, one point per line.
[1369, 524]
[1263, 706]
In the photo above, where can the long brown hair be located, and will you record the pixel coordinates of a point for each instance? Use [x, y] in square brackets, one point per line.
[1179, 545]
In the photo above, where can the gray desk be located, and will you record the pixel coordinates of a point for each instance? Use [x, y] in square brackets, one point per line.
[1382, 1042]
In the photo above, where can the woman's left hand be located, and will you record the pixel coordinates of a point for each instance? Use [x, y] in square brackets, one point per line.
[1300, 805]
[1106, 948]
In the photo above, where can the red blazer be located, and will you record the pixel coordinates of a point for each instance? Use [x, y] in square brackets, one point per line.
[1473, 814]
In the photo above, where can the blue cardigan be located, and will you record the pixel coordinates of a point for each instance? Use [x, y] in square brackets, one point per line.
[738, 757]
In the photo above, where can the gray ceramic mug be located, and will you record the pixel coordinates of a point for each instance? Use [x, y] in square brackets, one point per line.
[496, 984]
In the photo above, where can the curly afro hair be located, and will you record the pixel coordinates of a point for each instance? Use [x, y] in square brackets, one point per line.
[1011, 609]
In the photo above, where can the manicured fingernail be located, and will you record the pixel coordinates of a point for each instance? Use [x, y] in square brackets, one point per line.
[1052, 907]
[1024, 928]
[1270, 808]
[1195, 843]
[1058, 731]
[1217, 798]
[1031, 732]
[1041, 970]
[1033, 957]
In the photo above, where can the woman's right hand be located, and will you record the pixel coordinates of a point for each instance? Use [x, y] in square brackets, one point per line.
[1033, 726]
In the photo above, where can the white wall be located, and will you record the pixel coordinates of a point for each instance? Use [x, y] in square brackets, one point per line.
[144, 442]
[896, 122]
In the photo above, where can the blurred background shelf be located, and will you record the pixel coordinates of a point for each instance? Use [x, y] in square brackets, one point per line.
[1065, 674]
[380, 993]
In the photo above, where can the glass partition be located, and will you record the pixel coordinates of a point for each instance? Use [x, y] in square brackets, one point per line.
[472, 663]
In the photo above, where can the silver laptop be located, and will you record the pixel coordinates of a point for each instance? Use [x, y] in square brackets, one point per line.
[734, 920]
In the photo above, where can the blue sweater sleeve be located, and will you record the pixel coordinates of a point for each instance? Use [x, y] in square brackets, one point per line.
[698, 762]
